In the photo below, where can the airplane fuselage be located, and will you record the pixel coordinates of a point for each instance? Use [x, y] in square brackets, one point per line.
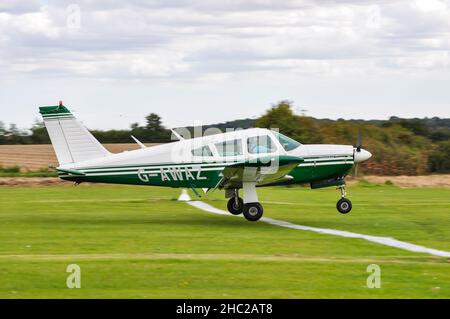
[155, 166]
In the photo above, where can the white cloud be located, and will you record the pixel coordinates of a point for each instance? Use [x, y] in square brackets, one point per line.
[19, 6]
[337, 58]
[137, 39]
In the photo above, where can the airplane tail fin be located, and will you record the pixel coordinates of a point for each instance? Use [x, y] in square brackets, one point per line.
[71, 141]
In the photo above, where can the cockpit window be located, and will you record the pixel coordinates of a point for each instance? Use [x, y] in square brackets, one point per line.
[288, 143]
[260, 144]
[204, 151]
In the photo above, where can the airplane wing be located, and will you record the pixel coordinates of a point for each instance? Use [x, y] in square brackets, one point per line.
[261, 170]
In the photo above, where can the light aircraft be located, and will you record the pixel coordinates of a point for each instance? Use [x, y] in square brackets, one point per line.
[232, 161]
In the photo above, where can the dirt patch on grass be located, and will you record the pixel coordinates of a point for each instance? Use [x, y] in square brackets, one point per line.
[408, 181]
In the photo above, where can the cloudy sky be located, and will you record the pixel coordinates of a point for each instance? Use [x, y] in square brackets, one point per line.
[115, 61]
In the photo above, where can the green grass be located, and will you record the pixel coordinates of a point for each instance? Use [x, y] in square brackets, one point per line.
[139, 242]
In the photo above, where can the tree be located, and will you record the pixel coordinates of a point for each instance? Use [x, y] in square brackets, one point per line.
[2, 132]
[442, 134]
[134, 126]
[281, 117]
[417, 126]
[308, 131]
[301, 128]
[439, 159]
[39, 133]
[154, 122]
[14, 136]
[13, 129]
[154, 131]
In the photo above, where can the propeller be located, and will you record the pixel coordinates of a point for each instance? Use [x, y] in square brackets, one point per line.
[358, 147]
[359, 141]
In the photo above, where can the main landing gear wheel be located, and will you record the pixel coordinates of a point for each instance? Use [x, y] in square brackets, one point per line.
[344, 206]
[235, 205]
[253, 211]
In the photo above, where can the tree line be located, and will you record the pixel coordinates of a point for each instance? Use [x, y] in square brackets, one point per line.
[152, 132]
[400, 146]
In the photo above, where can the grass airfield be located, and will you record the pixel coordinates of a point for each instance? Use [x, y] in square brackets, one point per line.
[139, 242]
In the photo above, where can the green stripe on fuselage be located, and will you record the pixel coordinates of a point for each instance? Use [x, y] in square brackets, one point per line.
[170, 178]
[183, 175]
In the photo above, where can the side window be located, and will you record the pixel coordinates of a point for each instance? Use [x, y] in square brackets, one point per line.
[204, 151]
[260, 144]
[229, 148]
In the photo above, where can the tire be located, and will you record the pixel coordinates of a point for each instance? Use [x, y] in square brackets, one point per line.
[253, 211]
[232, 208]
[344, 206]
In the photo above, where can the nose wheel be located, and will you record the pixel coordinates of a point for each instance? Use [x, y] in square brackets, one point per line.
[344, 205]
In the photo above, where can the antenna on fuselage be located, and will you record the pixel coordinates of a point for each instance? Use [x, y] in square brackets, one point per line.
[141, 145]
[178, 136]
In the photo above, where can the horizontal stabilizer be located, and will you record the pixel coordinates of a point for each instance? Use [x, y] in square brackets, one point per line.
[71, 171]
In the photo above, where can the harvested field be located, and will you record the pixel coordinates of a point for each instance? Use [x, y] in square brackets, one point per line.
[36, 157]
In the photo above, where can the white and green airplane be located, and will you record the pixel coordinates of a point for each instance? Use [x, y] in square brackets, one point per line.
[243, 159]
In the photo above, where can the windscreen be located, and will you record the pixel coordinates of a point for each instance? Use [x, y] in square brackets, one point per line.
[288, 143]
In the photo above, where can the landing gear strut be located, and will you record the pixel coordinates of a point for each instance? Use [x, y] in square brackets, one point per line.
[249, 205]
[343, 205]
